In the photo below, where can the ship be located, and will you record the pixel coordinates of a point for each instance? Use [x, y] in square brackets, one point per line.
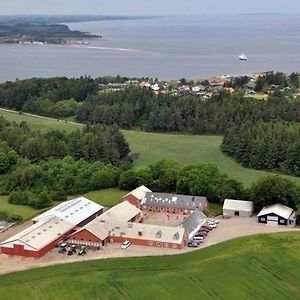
[243, 57]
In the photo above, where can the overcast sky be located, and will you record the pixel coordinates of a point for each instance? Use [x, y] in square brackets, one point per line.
[147, 7]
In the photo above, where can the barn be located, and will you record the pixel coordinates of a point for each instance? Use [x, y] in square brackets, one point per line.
[172, 203]
[136, 196]
[51, 227]
[277, 214]
[240, 208]
[96, 233]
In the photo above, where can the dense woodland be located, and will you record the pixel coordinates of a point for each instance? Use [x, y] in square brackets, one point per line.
[268, 146]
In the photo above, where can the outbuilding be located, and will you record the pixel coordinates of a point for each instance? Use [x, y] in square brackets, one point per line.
[240, 208]
[277, 214]
[136, 196]
[51, 227]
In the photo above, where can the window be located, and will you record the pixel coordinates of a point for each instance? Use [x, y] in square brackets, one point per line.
[263, 219]
[291, 222]
[158, 244]
[174, 246]
[150, 243]
[281, 221]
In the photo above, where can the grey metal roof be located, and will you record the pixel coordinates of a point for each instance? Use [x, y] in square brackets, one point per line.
[193, 222]
[174, 201]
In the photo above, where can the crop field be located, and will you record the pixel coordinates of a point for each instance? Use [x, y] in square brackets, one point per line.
[257, 267]
[153, 147]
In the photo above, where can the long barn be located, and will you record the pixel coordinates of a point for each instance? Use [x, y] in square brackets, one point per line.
[51, 227]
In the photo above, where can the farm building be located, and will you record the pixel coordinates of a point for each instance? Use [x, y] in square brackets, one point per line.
[117, 225]
[237, 208]
[51, 227]
[193, 223]
[96, 232]
[136, 196]
[277, 214]
[172, 203]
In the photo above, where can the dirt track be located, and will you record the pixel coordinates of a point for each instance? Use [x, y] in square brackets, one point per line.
[227, 229]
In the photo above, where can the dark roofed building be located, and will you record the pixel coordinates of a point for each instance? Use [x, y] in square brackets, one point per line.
[193, 223]
[173, 203]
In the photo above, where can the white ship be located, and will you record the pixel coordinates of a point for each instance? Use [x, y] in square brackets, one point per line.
[243, 57]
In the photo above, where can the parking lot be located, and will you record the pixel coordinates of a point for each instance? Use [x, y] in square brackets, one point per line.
[227, 229]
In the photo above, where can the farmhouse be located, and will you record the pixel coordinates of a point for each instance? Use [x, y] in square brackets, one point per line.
[136, 196]
[237, 208]
[51, 227]
[193, 223]
[172, 203]
[277, 214]
[121, 223]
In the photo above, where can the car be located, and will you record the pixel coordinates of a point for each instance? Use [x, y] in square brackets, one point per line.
[201, 234]
[125, 245]
[212, 225]
[198, 238]
[206, 228]
[214, 221]
[82, 250]
[192, 244]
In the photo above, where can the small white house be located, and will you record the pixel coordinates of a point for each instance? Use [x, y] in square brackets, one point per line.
[240, 208]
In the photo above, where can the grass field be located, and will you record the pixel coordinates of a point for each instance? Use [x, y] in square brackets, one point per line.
[154, 146]
[25, 211]
[257, 267]
[190, 149]
[108, 197]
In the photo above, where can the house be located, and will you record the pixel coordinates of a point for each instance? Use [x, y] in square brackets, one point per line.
[135, 197]
[237, 208]
[173, 203]
[277, 214]
[51, 227]
[193, 223]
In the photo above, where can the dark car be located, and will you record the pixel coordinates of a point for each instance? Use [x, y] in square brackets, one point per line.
[201, 234]
[193, 244]
[206, 228]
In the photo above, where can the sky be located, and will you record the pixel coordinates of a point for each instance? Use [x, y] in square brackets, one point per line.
[148, 7]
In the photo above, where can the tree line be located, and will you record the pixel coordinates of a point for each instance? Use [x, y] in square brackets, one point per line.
[98, 143]
[265, 146]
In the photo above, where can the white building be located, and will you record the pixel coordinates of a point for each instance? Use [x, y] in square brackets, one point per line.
[237, 208]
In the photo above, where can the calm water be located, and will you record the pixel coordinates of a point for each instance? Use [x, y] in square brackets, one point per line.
[168, 47]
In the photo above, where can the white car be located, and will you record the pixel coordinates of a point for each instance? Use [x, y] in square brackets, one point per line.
[214, 221]
[125, 245]
[212, 225]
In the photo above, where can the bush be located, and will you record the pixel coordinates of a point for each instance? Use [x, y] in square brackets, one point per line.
[19, 197]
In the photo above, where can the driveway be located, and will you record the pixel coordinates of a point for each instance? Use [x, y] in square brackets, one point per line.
[227, 229]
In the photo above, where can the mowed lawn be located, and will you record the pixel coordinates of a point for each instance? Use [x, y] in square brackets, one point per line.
[187, 149]
[153, 147]
[257, 267]
[107, 197]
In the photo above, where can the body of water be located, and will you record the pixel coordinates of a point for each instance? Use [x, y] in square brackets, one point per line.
[165, 47]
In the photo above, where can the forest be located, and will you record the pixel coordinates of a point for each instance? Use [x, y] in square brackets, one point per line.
[265, 146]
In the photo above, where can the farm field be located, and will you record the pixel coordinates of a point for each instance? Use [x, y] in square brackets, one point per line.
[256, 267]
[153, 147]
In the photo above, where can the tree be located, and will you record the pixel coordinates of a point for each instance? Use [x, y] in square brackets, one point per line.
[128, 180]
[273, 189]
[43, 200]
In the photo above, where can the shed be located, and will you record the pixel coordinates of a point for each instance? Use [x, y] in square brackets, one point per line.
[237, 208]
[277, 214]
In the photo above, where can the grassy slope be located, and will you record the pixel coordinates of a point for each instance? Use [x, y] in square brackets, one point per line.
[190, 149]
[259, 267]
[153, 147]
[108, 197]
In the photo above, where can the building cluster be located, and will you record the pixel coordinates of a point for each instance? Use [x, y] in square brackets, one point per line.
[82, 222]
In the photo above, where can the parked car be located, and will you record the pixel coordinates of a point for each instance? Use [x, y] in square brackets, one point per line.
[214, 221]
[212, 225]
[125, 245]
[192, 244]
[208, 229]
[203, 232]
[204, 235]
[198, 238]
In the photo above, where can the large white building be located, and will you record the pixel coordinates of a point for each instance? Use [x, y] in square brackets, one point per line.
[240, 208]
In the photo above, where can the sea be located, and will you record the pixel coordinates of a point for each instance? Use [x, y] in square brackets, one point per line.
[172, 47]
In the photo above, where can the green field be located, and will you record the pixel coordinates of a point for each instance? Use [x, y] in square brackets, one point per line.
[25, 211]
[154, 146]
[107, 198]
[259, 267]
[190, 149]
